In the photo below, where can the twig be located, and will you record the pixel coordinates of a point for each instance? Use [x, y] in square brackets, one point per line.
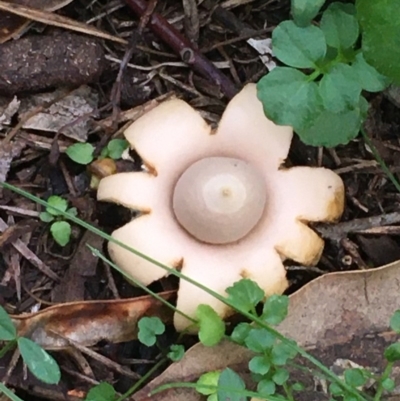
[184, 49]
[341, 230]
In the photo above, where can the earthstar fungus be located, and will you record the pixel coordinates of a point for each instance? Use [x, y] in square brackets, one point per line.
[218, 204]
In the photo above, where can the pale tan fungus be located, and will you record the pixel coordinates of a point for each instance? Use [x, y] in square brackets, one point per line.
[198, 213]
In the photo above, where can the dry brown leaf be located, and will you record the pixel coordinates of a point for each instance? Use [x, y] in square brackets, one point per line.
[50, 18]
[12, 24]
[89, 322]
[72, 114]
[339, 316]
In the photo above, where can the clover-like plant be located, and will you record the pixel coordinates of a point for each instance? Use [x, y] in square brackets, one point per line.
[60, 229]
[319, 91]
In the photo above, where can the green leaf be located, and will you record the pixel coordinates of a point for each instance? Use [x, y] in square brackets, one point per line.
[39, 362]
[388, 384]
[394, 321]
[340, 25]
[46, 217]
[228, 379]
[177, 352]
[298, 386]
[73, 211]
[370, 79]
[61, 232]
[260, 365]
[259, 340]
[333, 129]
[281, 353]
[101, 392]
[289, 98]
[208, 379]
[335, 389]
[280, 376]
[355, 377]
[298, 47]
[340, 89]
[245, 294]
[350, 397]
[8, 332]
[240, 332]
[8, 393]
[57, 202]
[392, 352]
[303, 11]
[275, 309]
[212, 327]
[149, 329]
[380, 23]
[81, 153]
[116, 147]
[266, 387]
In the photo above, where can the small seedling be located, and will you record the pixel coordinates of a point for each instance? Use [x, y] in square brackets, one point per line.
[114, 149]
[60, 229]
[83, 153]
[39, 362]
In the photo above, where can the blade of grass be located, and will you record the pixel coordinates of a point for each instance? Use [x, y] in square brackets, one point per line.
[379, 159]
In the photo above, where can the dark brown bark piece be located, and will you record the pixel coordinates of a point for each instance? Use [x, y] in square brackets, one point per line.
[42, 62]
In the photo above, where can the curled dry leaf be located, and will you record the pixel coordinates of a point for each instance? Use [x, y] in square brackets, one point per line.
[339, 317]
[89, 322]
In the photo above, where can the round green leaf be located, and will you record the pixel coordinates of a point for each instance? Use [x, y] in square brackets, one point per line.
[370, 79]
[57, 202]
[8, 331]
[335, 389]
[298, 386]
[101, 392]
[266, 387]
[388, 384]
[392, 352]
[61, 232]
[280, 376]
[81, 153]
[340, 25]
[229, 379]
[395, 321]
[281, 353]
[116, 147]
[298, 47]
[303, 11]
[340, 89]
[355, 377]
[333, 129]
[39, 362]
[245, 294]
[259, 340]
[259, 365]
[46, 217]
[380, 23]
[275, 309]
[240, 332]
[210, 380]
[289, 98]
[177, 352]
[149, 329]
[212, 327]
